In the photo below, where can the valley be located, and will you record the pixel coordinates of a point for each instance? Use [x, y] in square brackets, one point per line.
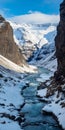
[32, 72]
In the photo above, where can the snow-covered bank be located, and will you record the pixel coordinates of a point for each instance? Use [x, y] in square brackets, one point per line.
[57, 110]
[54, 95]
[11, 99]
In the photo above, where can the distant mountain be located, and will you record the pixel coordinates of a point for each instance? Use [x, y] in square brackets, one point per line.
[35, 40]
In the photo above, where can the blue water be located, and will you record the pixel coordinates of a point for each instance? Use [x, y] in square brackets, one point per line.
[34, 119]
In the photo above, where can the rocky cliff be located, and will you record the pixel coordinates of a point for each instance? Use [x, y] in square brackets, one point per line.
[8, 47]
[60, 42]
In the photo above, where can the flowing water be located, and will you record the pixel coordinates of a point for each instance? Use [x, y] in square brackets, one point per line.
[34, 119]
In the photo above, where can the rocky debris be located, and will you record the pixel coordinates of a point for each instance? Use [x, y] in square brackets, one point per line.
[8, 47]
[60, 42]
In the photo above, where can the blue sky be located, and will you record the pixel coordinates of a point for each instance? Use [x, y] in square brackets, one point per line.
[11, 8]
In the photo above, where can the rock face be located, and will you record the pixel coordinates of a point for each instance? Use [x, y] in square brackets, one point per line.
[8, 47]
[60, 41]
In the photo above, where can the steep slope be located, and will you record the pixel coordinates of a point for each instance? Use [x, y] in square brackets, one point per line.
[16, 68]
[60, 41]
[8, 48]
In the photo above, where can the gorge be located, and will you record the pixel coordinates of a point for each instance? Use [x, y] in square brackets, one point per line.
[32, 97]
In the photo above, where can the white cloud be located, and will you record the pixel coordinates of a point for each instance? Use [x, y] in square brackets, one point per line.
[36, 17]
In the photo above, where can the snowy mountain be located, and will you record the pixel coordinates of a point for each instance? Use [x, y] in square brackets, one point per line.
[34, 39]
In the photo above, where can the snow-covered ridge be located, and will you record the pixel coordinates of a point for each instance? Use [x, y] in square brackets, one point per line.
[30, 37]
[33, 33]
[12, 66]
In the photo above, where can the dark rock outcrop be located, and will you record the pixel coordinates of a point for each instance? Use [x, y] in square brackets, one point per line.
[60, 42]
[8, 47]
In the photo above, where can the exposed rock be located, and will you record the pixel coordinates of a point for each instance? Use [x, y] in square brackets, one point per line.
[8, 47]
[60, 42]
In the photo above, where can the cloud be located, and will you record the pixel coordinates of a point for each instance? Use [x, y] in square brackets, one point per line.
[36, 17]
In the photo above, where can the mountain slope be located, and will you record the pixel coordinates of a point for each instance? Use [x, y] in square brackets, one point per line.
[8, 47]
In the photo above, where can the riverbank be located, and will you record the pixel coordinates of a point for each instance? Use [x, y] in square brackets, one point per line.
[54, 95]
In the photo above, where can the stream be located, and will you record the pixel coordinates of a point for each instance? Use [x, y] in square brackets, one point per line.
[34, 119]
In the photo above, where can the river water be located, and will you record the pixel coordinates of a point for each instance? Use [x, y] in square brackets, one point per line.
[34, 118]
